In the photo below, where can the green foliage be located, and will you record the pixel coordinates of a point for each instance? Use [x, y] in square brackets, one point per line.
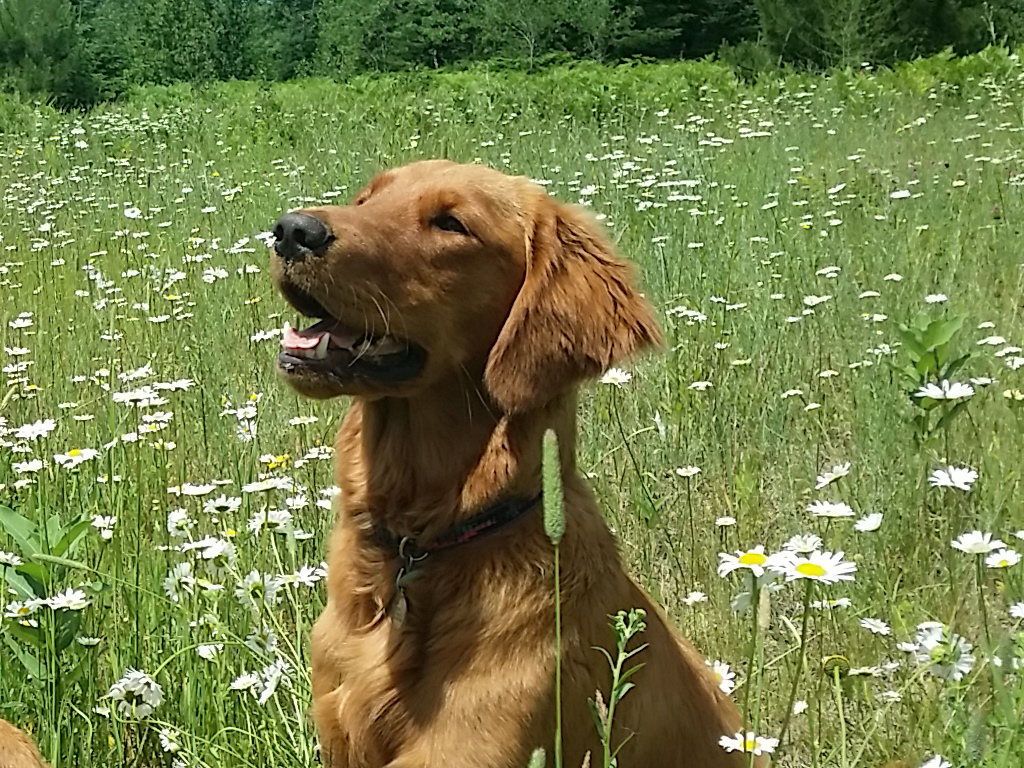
[43, 642]
[930, 345]
[82, 52]
[626, 626]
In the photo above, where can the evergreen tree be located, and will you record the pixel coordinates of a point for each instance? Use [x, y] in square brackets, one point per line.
[39, 44]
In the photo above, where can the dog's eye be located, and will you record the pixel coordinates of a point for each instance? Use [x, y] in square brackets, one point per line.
[449, 223]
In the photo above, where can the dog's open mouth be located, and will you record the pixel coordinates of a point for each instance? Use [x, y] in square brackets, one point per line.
[330, 348]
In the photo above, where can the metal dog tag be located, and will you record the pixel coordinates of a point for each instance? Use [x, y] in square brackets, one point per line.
[399, 607]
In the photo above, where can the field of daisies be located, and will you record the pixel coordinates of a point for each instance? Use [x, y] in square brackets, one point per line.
[820, 477]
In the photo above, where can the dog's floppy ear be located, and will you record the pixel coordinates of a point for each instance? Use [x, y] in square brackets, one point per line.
[577, 313]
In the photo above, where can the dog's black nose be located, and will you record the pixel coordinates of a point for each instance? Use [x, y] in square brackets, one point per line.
[298, 234]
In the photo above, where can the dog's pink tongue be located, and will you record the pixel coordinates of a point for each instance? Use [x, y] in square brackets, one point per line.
[309, 338]
[306, 338]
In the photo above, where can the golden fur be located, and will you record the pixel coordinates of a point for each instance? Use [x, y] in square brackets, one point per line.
[17, 749]
[513, 313]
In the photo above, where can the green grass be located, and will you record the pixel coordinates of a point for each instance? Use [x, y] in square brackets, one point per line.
[762, 212]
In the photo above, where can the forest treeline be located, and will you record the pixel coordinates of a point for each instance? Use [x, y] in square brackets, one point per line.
[81, 52]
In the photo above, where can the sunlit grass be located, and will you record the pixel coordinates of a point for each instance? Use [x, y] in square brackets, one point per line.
[785, 231]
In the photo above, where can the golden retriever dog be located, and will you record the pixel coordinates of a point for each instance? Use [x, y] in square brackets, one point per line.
[461, 308]
[17, 749]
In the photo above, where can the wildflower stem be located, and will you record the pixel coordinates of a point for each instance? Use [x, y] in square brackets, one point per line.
[558, 663]
[801, 656]
[693, 531]
[641, 478]
[838, 688]
[554, 527]
[755, 600]
[980, 575]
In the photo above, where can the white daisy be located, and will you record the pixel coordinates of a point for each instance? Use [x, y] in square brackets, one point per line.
[868, 523]
[977, 543]
[829, 476]
[35, 430]
[257, 590]
[9, 558]
[830, 509]
[179, 523]
[33, 465]
[1003, 558]
[222, 505]
[724, 677]
[753, 559]
[961, 478]
[876, 626]
[616, 377]
[169, 739]
[136, 694]
[209, 651]
[748, 742]
[246, 681]
[307, 576]
[269, 484]
[179, 582]
[945, 390]
[826, 567]
[803, 543]
[75, 456]
[69, 600]
[189, 489]
[272, 520]
[946, 654]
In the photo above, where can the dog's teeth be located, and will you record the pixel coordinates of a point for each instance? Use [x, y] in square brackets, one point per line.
[319, 352]
[387, 345]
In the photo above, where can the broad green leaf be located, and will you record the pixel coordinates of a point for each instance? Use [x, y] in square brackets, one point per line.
[941, 331]
[955, 366]
[71, 536]
[20, 584]
[912, 344]
[31, 664]
[68, 623]
[20, 529]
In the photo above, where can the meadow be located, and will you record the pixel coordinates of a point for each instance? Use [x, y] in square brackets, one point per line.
[825, 252]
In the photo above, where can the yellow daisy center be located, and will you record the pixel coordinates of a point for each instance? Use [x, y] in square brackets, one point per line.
[749, 745]
[752, 558]
[812, 570]
[74, 452]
